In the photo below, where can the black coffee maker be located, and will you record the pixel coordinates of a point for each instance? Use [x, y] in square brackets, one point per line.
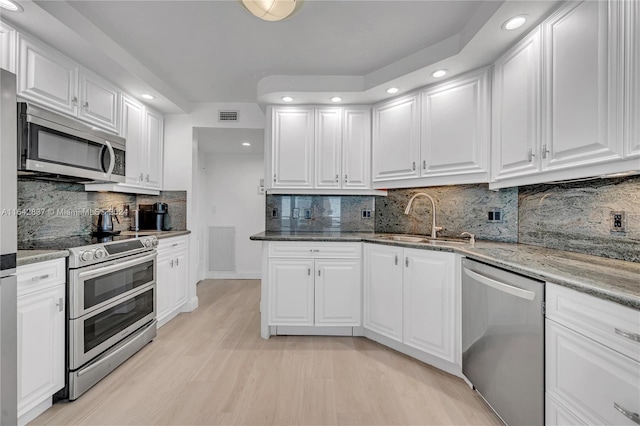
[154, 217]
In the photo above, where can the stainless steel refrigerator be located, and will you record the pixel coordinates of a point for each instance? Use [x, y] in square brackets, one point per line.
[8, 250]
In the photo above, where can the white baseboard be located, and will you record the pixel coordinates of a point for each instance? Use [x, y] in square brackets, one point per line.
[248, 275]
[35, 411]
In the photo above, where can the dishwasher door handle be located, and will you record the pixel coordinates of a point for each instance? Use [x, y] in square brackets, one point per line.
[506, 288]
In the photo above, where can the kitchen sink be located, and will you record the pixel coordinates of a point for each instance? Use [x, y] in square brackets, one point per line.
[423, 240]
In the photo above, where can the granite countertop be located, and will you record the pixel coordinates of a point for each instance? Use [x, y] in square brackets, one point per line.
[615, 280]
[26, 257]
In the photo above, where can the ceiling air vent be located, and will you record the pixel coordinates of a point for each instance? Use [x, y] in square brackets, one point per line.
[227, 115]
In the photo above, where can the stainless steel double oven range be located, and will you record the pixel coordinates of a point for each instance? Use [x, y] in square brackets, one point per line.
[111, 306]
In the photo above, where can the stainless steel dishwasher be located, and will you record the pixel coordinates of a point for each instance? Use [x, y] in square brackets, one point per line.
[503, 341]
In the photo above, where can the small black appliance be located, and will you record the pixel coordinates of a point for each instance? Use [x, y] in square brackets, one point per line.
[154, 217]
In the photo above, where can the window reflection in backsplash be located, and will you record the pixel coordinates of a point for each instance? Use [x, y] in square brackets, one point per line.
[319, 213]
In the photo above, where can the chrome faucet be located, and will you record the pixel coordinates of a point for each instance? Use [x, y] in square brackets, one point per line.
[434, 228]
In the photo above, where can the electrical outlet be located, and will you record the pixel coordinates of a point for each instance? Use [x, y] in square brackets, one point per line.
[307, 213]
[366, 213]
[296, 213]
[495, 215]
[618, 221]
[274, 213]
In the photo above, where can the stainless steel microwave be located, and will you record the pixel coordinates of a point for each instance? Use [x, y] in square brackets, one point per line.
[52, 146]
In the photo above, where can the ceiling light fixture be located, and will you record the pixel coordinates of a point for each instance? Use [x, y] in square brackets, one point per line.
[246, 144]
[392, 90]
[287, 99]
[336, 99]
[439, 73]
[271, 10]
[148, 96]
[11, 6]
[515, 22]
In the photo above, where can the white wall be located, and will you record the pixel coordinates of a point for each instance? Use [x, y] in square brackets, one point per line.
[230, 198]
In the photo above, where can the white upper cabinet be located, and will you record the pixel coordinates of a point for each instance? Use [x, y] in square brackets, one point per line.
[396, 139]
[54, 81]
[632, 79]
[8, 47]
[516, 116]
[47, 77]
[319, 149]
[153, 149]
[581, 67]
[455, 127]
[99, 101]
[292, 134]
[356, 148]
[328, 142]
[133, 131]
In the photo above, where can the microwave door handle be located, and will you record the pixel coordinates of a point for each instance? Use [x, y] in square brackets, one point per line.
[112, 157]
[116, 267]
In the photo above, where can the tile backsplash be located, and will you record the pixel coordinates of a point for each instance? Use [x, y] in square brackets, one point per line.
[54, 209]
[459, 208]
[577, 217]
[319, 213]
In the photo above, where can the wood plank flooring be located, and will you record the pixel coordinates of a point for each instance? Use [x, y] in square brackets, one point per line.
[210, 367]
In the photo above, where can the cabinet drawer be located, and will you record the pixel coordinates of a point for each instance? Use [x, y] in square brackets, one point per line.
[174, 243]
[589, 378]
[601, 320]
[310, 249]
[42, 275]
[556, 414]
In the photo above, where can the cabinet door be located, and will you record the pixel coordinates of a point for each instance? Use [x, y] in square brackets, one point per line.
[153, 149]
[516, 110]
[41, 346]
[291, 292]
[133, 131]
[46, 77]
[589, 378]
[99, 101]
[181, 278]
[328, 144]
[581, 72]
[455, 127]
[292, 134]
[356, 148]
[164, 288]
[632, 78]
[396, 139]
[383, 290]
[429, 302]
[337, 292]
[8, 47]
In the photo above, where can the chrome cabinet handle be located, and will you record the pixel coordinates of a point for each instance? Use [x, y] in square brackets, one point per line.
[337, 178]
[274, 177]
[530, 155]
[318, 272]
[177, 262]
[171, 263]
[74, 101]
[309, 271]
[147, 178]
[424, 164]
[174, 244]
[396, 259]
[346, 179]
[41, 277]
[141, 177]
[406, 261]
[627, 334]
[634, 417]
[545, 151]
[86, 105]
[60, 304]
[414, 165]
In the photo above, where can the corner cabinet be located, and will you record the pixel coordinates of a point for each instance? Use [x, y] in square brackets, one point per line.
[435, 137]
[50, 79]
[41, 336]
[319, 149]
[172, 278]
[632, 78]
[410, 303]
[313, 288]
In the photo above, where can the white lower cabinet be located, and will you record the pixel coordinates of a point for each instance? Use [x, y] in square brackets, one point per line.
[41, 336]
[317, 285]
[587, 381]
[410, 297]
[172, 278]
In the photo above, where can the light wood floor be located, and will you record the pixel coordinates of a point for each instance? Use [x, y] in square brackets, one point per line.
[211, 367]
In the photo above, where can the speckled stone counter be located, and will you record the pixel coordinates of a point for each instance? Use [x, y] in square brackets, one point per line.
[615, 280]
[158, 234]
[26, 257]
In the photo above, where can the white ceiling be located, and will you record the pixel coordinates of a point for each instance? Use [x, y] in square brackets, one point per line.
[229, 141]
[215, 51]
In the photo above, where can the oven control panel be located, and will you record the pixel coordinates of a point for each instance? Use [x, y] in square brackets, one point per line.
[102, 252]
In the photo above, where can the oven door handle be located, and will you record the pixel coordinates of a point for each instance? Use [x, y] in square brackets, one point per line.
[115, 267]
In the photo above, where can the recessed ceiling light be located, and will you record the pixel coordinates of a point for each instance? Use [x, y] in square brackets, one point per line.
[246, 144]
[515, 22]
[336, 99]
[11, 6]
[439, 73]
[392, 90]
[148, 96]
[287, 99]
